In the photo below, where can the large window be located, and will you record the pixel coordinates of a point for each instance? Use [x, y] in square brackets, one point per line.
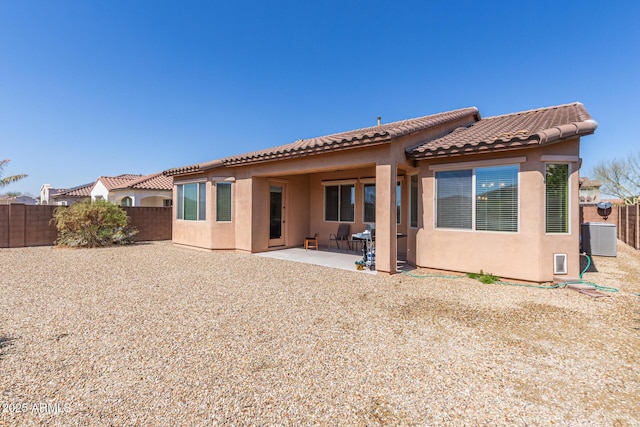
[223, 201]
[497, 199]
[557, 198]
[192, 201]
[484, 199]
[370, 202]
[339, 202]
[413, 201]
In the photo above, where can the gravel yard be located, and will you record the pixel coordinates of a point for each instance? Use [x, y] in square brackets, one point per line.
[154, 334]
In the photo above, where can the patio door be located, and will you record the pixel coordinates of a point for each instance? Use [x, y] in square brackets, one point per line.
[277, 216]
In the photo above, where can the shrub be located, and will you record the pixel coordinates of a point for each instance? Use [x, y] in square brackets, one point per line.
[91, 224]
[484, 277]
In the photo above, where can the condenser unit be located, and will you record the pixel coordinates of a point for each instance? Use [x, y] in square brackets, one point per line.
[600, 238]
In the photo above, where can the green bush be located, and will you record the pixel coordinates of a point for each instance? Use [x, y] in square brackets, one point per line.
[92, 224]
[484, 277]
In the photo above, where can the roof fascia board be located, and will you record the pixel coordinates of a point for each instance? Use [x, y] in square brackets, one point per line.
[478, 163]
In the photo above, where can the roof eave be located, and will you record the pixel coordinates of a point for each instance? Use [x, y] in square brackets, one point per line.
[193, 169]
[286, 155]
[567, 131]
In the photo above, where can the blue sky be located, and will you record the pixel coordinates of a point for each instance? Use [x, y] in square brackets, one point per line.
[90, 88]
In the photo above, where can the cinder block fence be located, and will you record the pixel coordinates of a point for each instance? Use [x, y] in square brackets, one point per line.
[28, 225]
[629, 225]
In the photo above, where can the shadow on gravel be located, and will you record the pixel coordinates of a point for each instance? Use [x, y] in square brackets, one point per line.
[5, 342]
[583, 264]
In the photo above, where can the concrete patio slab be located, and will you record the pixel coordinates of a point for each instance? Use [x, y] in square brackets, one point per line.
[340, 260]
[333, 259]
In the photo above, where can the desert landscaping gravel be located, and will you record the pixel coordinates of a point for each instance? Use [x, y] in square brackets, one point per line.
[155, 334]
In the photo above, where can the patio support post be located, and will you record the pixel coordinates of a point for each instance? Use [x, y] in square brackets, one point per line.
[386, 226]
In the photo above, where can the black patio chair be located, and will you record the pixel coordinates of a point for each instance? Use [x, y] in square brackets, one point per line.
[341, 236]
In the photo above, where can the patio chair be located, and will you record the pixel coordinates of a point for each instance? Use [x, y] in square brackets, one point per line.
[341, 236]
[311, 242]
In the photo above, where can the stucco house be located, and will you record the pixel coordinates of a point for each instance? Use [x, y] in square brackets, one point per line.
[64, 197]
[589, 191]
[134, 190]
[153, 190]
[498, 193]
[23, 200]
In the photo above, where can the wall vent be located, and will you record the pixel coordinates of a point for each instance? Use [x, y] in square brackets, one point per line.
[560, 264]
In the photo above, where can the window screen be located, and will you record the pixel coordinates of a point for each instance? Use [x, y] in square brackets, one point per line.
[557, 198]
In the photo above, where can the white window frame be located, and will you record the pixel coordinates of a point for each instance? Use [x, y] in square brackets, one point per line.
[410, 205]
[561, 161]
[337, 183]
[372, 181]
[230, 184]
[183, 183]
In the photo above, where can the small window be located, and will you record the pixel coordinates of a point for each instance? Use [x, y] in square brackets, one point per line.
[167, 203]
[192, 201]
[413, 201]
[370, 202]
[126, 201]
[339, 203]
[398, 202]
[223, 201]
[557, 198]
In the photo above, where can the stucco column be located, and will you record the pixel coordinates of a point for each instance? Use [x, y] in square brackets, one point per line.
[386, 225]
[243, 213]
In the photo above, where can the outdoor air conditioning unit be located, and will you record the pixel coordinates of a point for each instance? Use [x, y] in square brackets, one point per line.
[560, 264]
[600, 238]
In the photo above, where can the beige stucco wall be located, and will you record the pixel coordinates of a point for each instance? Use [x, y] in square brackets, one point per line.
[296, 208]
[192, 233]
[153, 201]
[527, 254]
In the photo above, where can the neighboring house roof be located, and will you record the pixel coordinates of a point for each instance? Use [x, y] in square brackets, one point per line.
[585, 182]
[155, 181]
[112, 182]
[517, 130]
[339, 141]
[56, 191]
[27, 200]
[83, 190]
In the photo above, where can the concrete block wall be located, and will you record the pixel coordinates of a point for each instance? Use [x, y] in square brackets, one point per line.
[589, 213]
[153, 223]
[39, 231]
[22, 225]
[4, 226]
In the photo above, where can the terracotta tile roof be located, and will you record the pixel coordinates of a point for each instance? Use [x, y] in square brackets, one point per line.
[517, 130]
[54, 191]
[83, 190]
[111, 182]
[585, 182]
[339, 141]
[155, 181]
